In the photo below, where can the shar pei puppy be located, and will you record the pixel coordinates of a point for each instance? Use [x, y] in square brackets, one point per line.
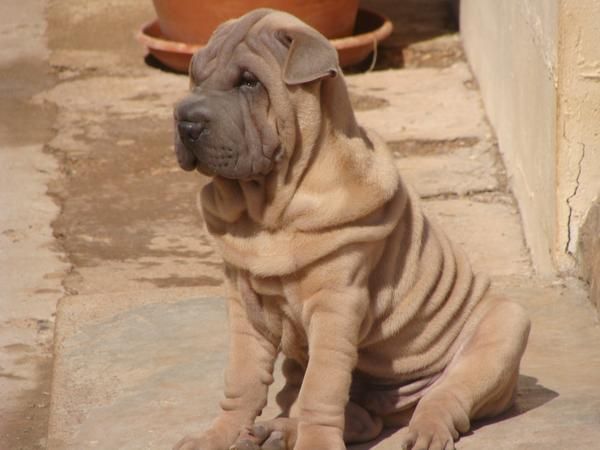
[330, 260]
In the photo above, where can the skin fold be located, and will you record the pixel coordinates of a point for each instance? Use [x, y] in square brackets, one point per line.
[330, 260]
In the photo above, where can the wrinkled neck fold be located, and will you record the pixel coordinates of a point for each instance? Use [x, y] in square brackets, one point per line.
[329, 165]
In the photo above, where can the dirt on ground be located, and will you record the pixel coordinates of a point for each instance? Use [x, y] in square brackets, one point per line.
[26, 428]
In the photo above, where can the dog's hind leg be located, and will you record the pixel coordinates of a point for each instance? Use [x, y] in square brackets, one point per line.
[479, 382]
[361, 425]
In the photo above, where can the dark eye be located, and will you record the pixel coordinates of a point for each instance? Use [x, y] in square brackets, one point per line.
[248, 80]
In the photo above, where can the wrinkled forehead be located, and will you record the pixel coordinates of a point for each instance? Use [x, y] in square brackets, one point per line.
[254, 42]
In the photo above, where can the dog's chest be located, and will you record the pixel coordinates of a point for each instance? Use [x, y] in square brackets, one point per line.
[279, 316]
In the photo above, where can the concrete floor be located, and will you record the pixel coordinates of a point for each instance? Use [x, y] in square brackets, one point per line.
[33, 266]
[111, 227]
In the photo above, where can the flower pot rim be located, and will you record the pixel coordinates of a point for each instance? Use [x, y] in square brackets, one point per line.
[151, 36]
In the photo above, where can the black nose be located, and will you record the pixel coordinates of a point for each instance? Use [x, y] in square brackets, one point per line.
[189, 132]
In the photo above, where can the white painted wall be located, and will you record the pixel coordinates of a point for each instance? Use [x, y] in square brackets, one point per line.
[538, 66]
[512, 48]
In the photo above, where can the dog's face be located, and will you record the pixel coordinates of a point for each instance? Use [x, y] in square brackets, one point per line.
[231, 124]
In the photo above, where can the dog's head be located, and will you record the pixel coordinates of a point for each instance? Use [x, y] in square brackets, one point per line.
[239, 119]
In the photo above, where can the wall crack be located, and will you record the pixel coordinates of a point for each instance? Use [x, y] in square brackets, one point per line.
[571, 197]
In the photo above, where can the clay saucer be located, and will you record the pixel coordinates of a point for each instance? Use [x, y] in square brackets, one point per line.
[371, 28]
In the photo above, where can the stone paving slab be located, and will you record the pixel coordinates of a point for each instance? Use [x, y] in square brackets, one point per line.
[126, 366]
[459, 172]
[427, 104]
[488, 228]
[140, 376]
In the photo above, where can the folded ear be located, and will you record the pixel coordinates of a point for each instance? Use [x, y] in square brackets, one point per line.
[310, 56]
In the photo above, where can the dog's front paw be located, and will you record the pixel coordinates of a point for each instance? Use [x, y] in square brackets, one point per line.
[428, 434]
[276, 434]
[286, 434]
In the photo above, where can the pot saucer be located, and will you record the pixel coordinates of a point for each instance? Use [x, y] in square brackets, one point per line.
[371, 28]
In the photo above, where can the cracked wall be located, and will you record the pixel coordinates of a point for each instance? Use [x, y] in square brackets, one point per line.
[538, 65]
[578, 161]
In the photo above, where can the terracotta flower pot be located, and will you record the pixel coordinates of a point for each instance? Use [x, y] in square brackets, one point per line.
[193, 21]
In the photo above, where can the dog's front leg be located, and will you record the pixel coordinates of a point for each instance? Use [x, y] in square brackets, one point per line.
[247, 378]
[333, 320]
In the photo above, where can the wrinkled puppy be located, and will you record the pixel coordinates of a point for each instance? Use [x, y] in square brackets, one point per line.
[330, 260]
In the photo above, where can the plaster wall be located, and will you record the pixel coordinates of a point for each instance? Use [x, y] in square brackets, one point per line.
[578, 123]
[512, 48]
[538, 65]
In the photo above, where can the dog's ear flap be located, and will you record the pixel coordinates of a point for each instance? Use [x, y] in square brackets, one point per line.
[310, 56]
